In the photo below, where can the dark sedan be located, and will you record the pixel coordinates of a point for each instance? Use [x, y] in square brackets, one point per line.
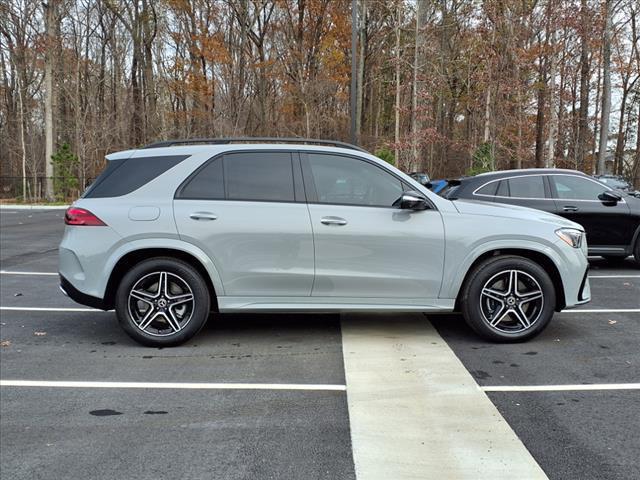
[611, 218]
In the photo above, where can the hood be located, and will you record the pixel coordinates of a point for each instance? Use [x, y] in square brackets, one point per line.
[501, 210]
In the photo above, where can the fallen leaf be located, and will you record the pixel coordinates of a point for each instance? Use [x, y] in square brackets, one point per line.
[39, 334]
[5, 343]
[17, 294]
[612, 322]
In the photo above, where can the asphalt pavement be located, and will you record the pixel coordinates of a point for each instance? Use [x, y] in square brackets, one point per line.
[55, 433]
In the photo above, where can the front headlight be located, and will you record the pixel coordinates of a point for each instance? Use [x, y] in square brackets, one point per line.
[571, 236]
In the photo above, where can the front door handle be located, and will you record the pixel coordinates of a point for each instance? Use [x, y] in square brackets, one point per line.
[569, 208]
[202, 216]
[333, 221]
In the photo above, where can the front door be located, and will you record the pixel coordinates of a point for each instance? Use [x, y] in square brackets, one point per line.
[364, 246]
[608, 225]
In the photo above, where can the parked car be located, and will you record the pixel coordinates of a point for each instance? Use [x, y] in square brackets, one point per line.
[421, 177]
[610, 218]
[168, 233]
[616, 182]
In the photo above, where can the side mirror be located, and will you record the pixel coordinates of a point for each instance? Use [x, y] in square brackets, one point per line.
[609, 197]
[411, 200]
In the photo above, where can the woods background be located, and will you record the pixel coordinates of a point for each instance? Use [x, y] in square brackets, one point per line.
[446, 86]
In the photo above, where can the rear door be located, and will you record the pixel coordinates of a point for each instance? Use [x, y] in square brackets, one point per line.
[606, 224]
[526, 191]
[364, 246]
[247, 212]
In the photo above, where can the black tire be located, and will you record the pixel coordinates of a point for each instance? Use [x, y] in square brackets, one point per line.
[636, 251]
[615, 259]
[480, 309]
[176, 319]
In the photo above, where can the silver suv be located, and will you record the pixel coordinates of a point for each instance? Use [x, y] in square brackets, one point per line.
[170, 233]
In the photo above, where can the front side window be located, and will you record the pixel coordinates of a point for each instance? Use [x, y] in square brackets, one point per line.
[349, 181]
[264, 176]
[572, 187]
[527, 187]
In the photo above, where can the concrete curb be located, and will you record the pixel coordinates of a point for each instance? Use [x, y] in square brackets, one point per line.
[33, 207]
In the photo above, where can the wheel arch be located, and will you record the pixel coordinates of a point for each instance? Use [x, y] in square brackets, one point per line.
[131, 258]
[538, 257]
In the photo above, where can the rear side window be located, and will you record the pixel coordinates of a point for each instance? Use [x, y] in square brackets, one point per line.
[266, 176]
[126, 175]
[207, 184]
[527, 187]
[488, 189]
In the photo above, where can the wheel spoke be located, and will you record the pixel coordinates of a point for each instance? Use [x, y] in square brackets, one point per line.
[530, 296]
[499, 315]
[173, 321]
[163, 284]
[143, 296]
[521, 316]
[513, 282]
[179, 299]
[148, 318]
[493, 294]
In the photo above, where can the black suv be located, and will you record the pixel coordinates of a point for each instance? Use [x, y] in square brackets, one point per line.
[610, 217]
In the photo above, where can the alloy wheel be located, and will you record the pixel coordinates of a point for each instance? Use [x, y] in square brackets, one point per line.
[511, 301]
[161, 303]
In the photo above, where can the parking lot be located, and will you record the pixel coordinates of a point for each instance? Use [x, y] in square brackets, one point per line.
[301, 396]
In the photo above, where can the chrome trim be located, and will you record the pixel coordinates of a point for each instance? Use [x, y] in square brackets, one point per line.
[535, 198]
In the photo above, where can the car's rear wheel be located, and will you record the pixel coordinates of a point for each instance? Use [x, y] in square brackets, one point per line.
[508, 299]
[162, 302]
[636, 251]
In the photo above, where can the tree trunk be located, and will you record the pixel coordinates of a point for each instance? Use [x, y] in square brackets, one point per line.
[50, 19]
[397, 100]
[583, 125]
[553, 111]
[362, 28]
[606, 90]
[414, 92]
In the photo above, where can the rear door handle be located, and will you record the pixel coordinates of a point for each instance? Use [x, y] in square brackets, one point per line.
[202, 216]
[333, 221]
[569, 208]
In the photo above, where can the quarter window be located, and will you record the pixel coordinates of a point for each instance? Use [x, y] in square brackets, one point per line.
[349, 181]
[572, 187]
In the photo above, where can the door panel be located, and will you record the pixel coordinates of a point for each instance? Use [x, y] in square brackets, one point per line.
[365, 247]
[576, 198]
[378, 252]
[259, 248]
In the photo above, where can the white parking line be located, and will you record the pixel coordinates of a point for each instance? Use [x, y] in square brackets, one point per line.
[416, 412]
[613, 276]
[7, 272]
[46, 309]
[174, 386]
[602, 310]
[561, 388]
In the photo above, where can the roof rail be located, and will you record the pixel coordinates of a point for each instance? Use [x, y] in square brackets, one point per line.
[228, 140]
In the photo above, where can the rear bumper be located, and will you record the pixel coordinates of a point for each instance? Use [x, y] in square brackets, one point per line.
[77, 296]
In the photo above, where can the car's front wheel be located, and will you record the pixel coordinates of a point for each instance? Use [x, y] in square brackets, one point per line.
[508, 299]
[162, 302]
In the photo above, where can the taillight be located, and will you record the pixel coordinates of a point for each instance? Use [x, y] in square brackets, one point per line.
[80, 216]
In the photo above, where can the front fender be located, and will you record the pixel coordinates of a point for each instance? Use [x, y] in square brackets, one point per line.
[457, 270]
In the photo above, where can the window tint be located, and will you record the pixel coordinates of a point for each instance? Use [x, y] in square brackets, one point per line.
[573, 187]
[348, 181]
[207, 184]
[259, 176]
[488, 189]
[527, 187]
[126, 175]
